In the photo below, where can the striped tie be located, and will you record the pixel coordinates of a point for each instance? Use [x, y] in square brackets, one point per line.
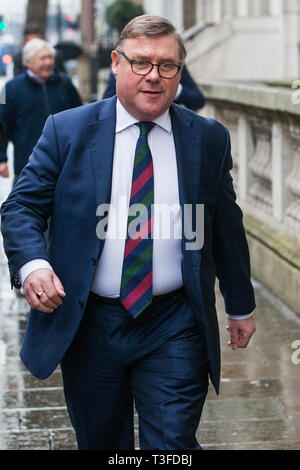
[136, 283]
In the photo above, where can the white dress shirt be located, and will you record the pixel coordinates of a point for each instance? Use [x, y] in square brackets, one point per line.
[167, 251]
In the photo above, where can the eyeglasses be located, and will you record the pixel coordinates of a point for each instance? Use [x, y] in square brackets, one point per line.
[143, 67]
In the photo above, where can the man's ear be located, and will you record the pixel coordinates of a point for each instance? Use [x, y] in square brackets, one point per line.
[114, 62]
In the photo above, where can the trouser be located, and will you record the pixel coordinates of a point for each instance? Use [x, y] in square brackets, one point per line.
[160, 359]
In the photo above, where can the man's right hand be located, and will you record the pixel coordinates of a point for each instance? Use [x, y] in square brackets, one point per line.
[43, 290]
[4, 170]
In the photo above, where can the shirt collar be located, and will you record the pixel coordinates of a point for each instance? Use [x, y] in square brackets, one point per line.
[125, 119]
[35, 77]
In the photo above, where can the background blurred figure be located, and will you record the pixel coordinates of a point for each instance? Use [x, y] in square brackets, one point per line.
[19, 67]
[30, 98]
[188, 92]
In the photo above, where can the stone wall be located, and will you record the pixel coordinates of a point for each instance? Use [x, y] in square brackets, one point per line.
[247, 40]
[265, 134]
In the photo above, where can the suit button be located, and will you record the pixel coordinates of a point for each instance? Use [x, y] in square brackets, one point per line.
[94, 261]
[81, 304]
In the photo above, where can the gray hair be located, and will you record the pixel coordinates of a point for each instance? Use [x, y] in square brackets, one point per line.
[32, 47]
[150, 25]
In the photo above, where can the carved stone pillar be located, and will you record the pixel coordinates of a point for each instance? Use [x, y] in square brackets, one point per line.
[255, 7]
[200, 11]
[228, 8]
[243, 8]
[265, 8]
[260, 192]
[292, 214]
[230, 118]
[217, 11]
[290, 38]
[275, 7]
[245, 150]
[204, 10]
[189, 13]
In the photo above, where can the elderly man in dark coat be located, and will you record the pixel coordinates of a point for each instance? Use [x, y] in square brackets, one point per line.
[30, 98]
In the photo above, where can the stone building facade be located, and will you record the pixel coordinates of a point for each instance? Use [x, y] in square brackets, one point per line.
[237, 39]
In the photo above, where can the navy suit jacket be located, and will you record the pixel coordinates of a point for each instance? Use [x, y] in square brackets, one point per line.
[69, 175]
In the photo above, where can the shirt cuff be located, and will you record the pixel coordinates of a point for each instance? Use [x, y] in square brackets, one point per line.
[240, 317]
[31, 266]
[179, 89]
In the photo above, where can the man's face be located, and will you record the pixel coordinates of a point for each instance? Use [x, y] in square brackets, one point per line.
[146, 97]
[42, 64]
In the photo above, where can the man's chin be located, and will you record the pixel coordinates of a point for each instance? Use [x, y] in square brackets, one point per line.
[150, 115]
[46, 76]
[145, 110]
[151, 111]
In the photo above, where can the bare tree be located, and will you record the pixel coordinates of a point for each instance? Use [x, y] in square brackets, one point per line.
[36, 16]
[88, 61]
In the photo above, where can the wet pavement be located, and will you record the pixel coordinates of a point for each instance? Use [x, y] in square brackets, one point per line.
[258, 406]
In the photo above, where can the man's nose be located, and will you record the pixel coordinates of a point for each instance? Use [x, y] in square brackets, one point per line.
[153, 75]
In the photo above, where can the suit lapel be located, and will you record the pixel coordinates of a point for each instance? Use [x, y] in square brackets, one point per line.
[188, 155]
[101, 143]
[188, 146]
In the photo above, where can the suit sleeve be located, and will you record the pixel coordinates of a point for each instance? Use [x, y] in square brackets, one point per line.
[24, 214]
[230, 247]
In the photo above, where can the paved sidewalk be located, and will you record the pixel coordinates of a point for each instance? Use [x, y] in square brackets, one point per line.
[258, 406]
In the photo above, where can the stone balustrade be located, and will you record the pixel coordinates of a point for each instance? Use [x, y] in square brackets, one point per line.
[264, 126]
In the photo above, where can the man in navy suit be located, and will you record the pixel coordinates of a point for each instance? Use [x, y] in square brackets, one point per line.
[159, 341]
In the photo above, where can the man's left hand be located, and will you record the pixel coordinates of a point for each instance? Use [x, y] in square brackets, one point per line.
[240, 332]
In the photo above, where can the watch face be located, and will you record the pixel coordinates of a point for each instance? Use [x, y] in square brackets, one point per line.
[2, 135]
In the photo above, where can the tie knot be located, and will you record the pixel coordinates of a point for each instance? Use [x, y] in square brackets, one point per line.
[145, 127]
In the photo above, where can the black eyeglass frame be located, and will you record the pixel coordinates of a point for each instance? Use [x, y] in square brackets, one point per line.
[132, 61]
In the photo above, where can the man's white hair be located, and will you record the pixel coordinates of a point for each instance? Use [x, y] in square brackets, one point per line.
[32, 47]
